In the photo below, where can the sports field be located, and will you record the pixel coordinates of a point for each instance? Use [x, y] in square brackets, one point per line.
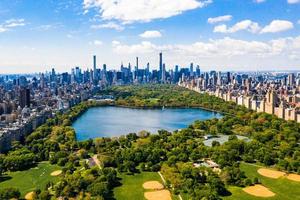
[282, 187]
[132, 186]
[29, 180]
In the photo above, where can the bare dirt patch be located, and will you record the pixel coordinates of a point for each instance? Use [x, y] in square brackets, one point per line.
[29, 195]
[293, 177]
[158, 195]
[153, 185]
[56, 173]
[270, 173]
[259, 191]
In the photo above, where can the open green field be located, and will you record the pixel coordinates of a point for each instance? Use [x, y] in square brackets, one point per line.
[132, 186]
[283, 188]
[29, 180]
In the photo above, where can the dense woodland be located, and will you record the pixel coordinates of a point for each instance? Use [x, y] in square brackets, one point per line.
[273, 142]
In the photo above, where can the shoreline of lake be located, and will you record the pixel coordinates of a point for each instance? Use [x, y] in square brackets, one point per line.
[114, 121]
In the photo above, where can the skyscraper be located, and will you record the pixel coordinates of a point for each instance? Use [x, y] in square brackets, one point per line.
[160, 66]
[163, 74]
[24, 97]
[219, 78]
[291, 79]
[198, 72]
[95, 68]
[136, 68]
[192, 69]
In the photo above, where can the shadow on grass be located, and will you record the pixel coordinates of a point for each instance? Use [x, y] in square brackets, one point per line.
[5, 178]
[226, 193]
[110, 195]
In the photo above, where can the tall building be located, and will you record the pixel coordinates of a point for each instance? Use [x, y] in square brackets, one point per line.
[228, 77]
[270, 102]
[198, 72]
[192, 69]
[291, 79]
[136, 68]
[42, 80]
[160, 65]
[219, 78]
[95, 68]
[24, 97]
[163, 74]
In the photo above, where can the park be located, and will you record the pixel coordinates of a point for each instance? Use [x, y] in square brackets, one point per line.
[31, 180]
[52, 163]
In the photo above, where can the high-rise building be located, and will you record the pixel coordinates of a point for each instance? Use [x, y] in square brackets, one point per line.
[163, 74]
[219, 78]
[160, 65]
[42, 80]
[270, 102]
[192, 69]
[198, 72]
[136, 68]
[24, 97]
[291, 79]
[228, 77]
[95, 68]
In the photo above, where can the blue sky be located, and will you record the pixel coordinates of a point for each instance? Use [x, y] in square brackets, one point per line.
[36, 35]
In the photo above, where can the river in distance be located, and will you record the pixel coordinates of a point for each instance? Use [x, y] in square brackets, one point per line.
[114, 121]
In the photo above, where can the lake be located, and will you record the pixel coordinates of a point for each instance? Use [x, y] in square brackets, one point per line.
[113, 121]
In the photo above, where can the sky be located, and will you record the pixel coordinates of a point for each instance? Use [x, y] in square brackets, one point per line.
[226, 35]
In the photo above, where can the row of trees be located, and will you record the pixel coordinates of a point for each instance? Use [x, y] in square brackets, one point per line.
[169, 96]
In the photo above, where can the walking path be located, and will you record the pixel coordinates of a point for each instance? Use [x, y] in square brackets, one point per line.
[96, 160]
[164, 181]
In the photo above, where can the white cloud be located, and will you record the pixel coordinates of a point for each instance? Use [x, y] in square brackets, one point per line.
[109, 25]
[259, 1]
[115, 43]
[213, 48]
[228, 51]
[97, 42]
[247, 25]
[2, 29]
[288, 1]
[298, 21]
[47, 27]
[151, 34]
[224, 18]
[293, 1]
[143, 47]
[253, 27]
[70, 36]
[14, 23]
[10, 24]
[277, 26]
[143, 10]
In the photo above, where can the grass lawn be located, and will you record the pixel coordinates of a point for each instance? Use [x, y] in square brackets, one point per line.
[29, 180]
[283, 188]
[132, 185]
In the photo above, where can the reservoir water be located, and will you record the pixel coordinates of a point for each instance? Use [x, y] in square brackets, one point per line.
[115, 121]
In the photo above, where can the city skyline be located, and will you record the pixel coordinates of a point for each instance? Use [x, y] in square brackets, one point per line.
[96, 67]
[217, 35]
